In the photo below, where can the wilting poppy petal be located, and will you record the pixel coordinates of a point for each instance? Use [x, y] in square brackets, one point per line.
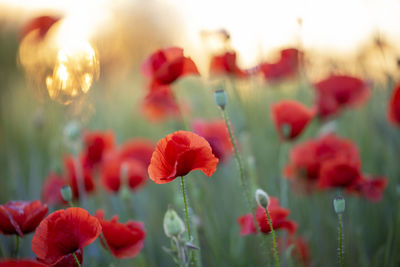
[290, 114]
[167, 65]
[370, 187]
[21, 217]
[64, 232]
[125, 240]
[179, 153]
[225, 64]
[394, 107]
[339, 91]
[286, 67]
[246, 224]
[41, 24]
[20, 263]
[217, 135]
[51, 193]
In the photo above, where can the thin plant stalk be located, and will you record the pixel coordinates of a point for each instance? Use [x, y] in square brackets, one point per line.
[186, 209]
[273, 238]
[16, 246]
[76, 260]
[340, 240]
[80, 181]
[238, 159]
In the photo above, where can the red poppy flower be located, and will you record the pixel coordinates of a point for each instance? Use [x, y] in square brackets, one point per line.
[115, 167]
[278, 218]
[64, 232]
[370, 188]
[179, 153]
[293, 115]
[96, 144]
[225, 64]
[217, 135]
[51, 193]
[300, 251]
[125, 240]
[139, 149]
[160, 103]
[70, 165]
[306, 159]
[41, 24]
[167, 65]
[286, 67]
[21, 263]
[339, 91]
[21, 217]
[246, 224]
[339, 172]
[394, 107]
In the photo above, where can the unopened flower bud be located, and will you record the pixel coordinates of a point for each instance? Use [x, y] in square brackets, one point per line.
[220, 98]
[262, 198]
[339, 204]
[173, 224]
[66, 193]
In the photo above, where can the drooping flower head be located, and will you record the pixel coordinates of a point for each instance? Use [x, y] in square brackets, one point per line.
[278, 218]
[167, 65]
[125, 240]
[63, 233]
[393, 109]
[179, 153]
[21, 217]
[290, 118]
[225, 64]
[339, 91]
[286, 67]
[217, 135]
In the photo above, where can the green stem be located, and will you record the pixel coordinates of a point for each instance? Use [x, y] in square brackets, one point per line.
[16, 246]
[273, 238]
[340, 240]
[2, 255]
[186, 209]
[237, 157]
[76, 260]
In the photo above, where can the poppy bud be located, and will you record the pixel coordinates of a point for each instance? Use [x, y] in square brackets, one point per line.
[173, 224]
[66, 193]
[262, 198]
[220, 98]
[339, 204]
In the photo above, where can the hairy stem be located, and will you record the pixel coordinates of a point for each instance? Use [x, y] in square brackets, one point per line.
[238, 159]
[340, 240]
[186, 209]
[273, 238]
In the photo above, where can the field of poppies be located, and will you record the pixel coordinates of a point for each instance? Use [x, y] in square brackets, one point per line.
[170, 166]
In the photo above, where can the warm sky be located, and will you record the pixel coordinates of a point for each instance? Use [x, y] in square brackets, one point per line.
[256, 26]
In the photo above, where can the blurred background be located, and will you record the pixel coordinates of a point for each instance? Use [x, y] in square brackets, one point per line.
[111, 39]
